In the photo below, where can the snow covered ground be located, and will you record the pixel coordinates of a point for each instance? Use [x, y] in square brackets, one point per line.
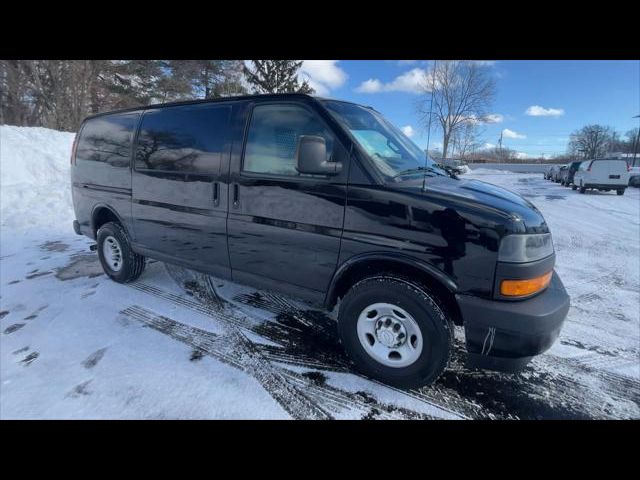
[73, 344]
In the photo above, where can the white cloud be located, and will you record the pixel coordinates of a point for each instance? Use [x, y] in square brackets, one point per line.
[522, 155]
[408, 131]
[485, 63]
[494, 118]
[372, 85]
[538, 111]
[489, 145]
[412, 81]
[403, 63]
[511, 134]
[323, 75]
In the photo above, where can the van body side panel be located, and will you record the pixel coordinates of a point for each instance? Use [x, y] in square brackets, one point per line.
[284, 230]
[179, 202]
[101, 174]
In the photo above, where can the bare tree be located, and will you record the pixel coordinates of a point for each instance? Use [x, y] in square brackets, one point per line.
[462, 95]
[465, 139]
[592, 141]
[633, 140]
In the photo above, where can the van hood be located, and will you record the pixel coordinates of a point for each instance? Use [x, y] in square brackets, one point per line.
[476, 194]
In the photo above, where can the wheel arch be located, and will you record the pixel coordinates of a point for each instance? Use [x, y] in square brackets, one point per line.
[101, 214]
[405, 267]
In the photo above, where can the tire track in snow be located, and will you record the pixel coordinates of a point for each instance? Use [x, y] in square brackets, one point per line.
[303, 397]
[488, 399]
[274, 332]
[234, 349]
[319, 328]
[307, 339]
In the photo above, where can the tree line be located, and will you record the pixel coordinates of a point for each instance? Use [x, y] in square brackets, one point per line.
[59, 94]
[597, 141]
[456, 99]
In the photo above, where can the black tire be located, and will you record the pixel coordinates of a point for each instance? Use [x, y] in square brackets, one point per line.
[583, 189]
[620, 192]
[574, 187]
[132, 263]
[434, 324]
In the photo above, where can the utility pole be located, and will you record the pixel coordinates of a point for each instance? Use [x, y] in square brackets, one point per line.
[500, 146]
[636, 144]
[426, 159]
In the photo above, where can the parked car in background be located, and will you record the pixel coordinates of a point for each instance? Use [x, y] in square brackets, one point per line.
[634, 176]
[451, 171]
[566, 177]
[603, 175]
[551, 173]
[329, 202]
[558, 174]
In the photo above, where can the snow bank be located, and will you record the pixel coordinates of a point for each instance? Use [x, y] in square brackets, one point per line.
[34, 178]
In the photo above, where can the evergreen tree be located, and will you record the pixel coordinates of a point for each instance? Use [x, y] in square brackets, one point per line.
[208, 78]
[134, 83]
[276, 76]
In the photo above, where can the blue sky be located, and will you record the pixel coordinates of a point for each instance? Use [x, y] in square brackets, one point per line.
[538, 103]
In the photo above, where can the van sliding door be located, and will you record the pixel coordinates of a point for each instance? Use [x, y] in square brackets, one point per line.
[179, 203]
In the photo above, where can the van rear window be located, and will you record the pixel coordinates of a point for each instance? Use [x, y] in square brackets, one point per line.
[107, 139]
[183, 139]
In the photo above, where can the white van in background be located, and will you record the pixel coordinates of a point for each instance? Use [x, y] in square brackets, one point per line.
[602, 174]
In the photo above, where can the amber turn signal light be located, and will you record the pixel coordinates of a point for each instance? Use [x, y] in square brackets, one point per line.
[521, 288]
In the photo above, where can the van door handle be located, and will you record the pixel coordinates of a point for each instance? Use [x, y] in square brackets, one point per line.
[236, 201]
[216, 194]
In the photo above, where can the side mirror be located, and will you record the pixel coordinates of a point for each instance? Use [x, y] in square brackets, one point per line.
[311, 157]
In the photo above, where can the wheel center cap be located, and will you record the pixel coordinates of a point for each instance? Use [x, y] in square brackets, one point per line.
[390, 332]
[386, 338]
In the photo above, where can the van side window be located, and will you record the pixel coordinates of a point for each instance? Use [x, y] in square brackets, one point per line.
[183, 139]
[273, 138]
[107, 139]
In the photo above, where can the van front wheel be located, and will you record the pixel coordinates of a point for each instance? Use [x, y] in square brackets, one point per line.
[118, 260]
[394, 331]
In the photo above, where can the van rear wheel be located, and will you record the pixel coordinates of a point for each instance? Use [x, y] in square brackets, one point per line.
[395, 331]
[118, 260]
[620, 192]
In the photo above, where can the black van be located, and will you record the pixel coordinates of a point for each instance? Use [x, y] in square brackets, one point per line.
[326, 201]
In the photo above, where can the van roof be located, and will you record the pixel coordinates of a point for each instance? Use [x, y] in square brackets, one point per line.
[216, 100]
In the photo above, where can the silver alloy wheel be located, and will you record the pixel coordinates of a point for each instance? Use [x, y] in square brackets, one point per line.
[112, 253]
[389, 335]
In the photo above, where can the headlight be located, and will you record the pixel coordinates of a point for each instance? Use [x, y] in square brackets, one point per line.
[525, 248]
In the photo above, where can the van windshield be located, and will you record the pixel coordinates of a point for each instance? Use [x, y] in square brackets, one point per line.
[390, 150]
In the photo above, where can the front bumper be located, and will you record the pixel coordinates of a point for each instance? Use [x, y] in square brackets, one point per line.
[506, 335]
[608, 186]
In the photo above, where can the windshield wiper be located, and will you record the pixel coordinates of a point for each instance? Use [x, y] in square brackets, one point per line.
[417, 169]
